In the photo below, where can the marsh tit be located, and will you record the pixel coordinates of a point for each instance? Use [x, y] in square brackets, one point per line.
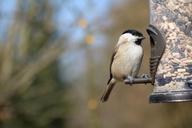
[126, 60]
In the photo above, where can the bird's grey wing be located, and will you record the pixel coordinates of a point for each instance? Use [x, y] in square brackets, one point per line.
[112, 59]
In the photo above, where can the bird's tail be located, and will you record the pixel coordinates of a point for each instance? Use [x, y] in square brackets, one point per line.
[108, 90]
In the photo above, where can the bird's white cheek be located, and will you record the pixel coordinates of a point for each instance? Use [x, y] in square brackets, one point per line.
[129, 37]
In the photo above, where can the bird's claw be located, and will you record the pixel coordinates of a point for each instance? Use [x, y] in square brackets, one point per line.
[145, 76]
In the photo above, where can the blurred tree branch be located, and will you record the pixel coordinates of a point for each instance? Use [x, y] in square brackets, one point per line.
[46, 56]
[28, 65]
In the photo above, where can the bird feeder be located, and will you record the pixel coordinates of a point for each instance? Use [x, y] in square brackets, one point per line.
[173, 73]
[170, 33]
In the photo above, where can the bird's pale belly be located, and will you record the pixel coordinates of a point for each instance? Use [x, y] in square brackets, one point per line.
[126, 64]
[121, 68]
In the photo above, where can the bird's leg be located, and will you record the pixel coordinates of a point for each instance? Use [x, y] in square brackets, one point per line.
[143, 79]
[130, 79]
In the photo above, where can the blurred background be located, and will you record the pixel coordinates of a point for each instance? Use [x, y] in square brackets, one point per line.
[54, 65]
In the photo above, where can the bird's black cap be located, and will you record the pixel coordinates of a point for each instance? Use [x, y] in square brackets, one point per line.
[133, 32]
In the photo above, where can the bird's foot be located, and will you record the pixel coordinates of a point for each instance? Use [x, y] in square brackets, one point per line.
[130, 80]
[145, 76]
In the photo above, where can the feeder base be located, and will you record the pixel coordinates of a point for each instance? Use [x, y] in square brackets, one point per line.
[170, 97]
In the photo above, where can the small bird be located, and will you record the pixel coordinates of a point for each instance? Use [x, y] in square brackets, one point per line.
[126, 60]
